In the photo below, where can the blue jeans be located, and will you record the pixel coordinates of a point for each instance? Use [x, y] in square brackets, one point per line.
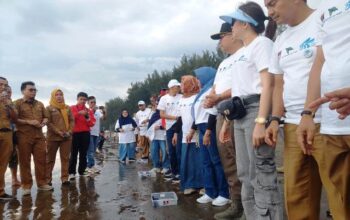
[215, 183]
[174, 152]
[91, 151]
[191, 167]
[157, 145]
[127, 150]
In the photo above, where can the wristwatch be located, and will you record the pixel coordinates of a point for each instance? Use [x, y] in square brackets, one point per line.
[260, 120]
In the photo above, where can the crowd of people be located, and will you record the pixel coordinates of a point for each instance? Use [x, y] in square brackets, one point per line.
[215, 131]
[72, 130]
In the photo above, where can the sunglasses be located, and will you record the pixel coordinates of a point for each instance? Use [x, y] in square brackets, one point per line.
[32, 90]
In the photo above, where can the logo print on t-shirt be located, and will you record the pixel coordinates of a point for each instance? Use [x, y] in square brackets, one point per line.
[308, 53]
[242, 58]
[347, 5]
[307, 43]
[289, 49]
[332, 10]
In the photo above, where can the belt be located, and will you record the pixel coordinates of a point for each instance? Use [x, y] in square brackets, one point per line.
[247, 100]
[5, 130]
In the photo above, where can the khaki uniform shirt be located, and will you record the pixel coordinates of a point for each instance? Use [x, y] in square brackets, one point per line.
[5, 121]
[30, 111]
[56, 123]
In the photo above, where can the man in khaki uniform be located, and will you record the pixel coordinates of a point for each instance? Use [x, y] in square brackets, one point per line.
[32, 117]
[7, 114]
[59, 135]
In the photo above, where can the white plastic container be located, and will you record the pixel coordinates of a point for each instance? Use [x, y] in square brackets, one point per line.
[164, 199]
[145, 174]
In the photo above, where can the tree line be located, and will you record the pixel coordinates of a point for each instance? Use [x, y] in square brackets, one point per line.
[143, 90]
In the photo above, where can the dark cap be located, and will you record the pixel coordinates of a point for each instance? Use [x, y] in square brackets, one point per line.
[225, 28]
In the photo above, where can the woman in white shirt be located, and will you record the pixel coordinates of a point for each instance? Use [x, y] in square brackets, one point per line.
[252, 87]
[215, 183]
[125, 127]
[191, 164]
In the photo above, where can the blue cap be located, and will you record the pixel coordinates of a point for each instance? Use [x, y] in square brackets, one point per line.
[240, 16]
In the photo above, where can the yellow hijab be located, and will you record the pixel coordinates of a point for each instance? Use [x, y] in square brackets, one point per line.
[61, 106]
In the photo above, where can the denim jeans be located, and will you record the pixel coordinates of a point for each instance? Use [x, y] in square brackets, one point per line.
[257, 171]
[91, 151]
[156, 146]
[174, 152]
[214, 180]
[191, 167]
[127, 150]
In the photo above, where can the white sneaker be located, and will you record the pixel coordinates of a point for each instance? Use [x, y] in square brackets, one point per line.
[154, 171]
[204, 199]
[165, 170]
[220, 201]
[45, 188]
[26, 192]
[71, 177]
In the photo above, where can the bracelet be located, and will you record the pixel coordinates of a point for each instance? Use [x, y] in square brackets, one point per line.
[307, 112]
[275, 118]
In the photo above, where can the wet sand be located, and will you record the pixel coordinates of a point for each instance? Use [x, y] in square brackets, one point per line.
[117, 193]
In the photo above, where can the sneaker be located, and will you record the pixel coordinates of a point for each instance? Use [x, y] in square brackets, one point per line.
[165, 170]
[235, 211]
[122, 161]
[189, 191]
[132, 160]
[175, 180]
[71, 177]
[168, 174]
[220, 201]
[168, 178]
[6, 197]
[45, 188]
[202, 191]
[26, 192]
[204, 199]
[141, 161]
[154, 171]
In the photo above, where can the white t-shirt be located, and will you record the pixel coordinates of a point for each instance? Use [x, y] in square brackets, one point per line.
[158, 134]
[201, 114]
[223, 77]
[293, 55]
[334, 32]
[249, 61]
[128, 135]
[95, 130]
[169, 104]
[140, 117]
[184, 111]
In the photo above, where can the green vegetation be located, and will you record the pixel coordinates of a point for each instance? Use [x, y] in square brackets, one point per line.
[143, 90]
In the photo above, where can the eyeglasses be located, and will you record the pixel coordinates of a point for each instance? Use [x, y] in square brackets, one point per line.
[92, 101]
[32, 90]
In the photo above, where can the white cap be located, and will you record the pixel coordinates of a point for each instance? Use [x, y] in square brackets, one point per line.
[173, 83]
[141, 102]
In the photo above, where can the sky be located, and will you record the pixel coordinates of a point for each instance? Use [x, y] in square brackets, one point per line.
[101, 46]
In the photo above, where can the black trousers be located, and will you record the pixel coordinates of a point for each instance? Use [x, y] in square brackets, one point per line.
[80, 144]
